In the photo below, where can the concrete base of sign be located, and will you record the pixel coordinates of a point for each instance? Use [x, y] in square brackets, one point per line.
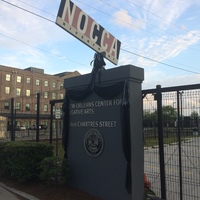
[102, 172]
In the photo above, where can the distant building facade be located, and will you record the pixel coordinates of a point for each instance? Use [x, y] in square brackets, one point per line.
[23, 85]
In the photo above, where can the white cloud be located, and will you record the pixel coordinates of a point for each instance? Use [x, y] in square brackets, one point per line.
[144, 40]
[124, 20]
[167, 81]
[167, 10]
[159, 49]
[28, 28]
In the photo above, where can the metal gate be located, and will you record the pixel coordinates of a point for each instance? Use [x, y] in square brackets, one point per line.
[172, 141]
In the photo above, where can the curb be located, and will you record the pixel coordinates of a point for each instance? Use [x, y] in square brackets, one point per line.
[22, 194]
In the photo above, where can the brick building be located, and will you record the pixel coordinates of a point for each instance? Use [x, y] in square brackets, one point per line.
[23, 85]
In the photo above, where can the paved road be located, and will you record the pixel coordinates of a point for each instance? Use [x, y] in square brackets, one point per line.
[190, 169]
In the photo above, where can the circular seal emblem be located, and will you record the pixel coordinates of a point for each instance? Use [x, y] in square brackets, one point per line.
[93, 142]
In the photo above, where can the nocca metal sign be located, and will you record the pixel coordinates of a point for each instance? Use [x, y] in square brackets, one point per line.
[75, 21]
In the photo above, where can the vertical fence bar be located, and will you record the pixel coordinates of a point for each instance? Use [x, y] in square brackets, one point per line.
[38, 117]
[51, 122]
[161, 144]
[179, 139]
[12, 135]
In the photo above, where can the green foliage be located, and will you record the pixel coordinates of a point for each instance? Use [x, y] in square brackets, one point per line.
[149, 119]
[168, 113]
[22, 159]
[2, 158]
[54, 169]
[171, 139]
[60, 148]
[150, 195]
[194, 114]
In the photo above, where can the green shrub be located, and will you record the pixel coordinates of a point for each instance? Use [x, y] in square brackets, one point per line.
[54, 170]
[3, 165]
[22, 159]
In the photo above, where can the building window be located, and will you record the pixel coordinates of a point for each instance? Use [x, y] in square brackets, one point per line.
[18, 92]
[37, 82]
[45, 95]
[54, 85]
[27, 107]
[28, 93]
[19, 79]
[61, 86]
[28, 80]
[17, 106]
[7, 90]
[46, 83]
[45, 107]
[53, 95]
[6, 105]
[61, 96]
[7, 77]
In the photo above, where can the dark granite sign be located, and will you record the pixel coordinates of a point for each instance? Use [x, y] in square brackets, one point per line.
[94, 119]
[104, 149]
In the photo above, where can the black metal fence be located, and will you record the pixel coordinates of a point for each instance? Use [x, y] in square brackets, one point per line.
[22, 119]
[172, 141]
[171, 121]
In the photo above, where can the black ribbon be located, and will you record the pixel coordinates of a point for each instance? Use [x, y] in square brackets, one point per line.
[106, 92]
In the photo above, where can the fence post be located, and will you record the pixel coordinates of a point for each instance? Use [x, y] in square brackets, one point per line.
[51, 122]
[180, 125]
[38, 117]
[12, 135]
[160, 140]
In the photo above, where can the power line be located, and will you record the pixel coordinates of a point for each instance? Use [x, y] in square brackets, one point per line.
[160, 62]
[179, 27]
[28, 11]
[36, 8]
[42, 50]
[87, 66]
[144, 22]
[166, 59]
[135, 25]
[75, 61]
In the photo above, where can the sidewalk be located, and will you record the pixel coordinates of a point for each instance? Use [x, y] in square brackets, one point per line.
[8, 193]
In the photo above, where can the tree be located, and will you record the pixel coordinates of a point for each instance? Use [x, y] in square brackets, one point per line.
[194, 114]
[169, 115]
[149, 118]
[194, 118]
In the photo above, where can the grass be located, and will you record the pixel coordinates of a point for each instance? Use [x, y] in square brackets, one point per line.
[153, 140]
[170, 136]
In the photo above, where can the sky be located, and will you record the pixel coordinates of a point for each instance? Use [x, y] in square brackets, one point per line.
[162, 37]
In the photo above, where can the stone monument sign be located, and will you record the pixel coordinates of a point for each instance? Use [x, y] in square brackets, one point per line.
[103, 133]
